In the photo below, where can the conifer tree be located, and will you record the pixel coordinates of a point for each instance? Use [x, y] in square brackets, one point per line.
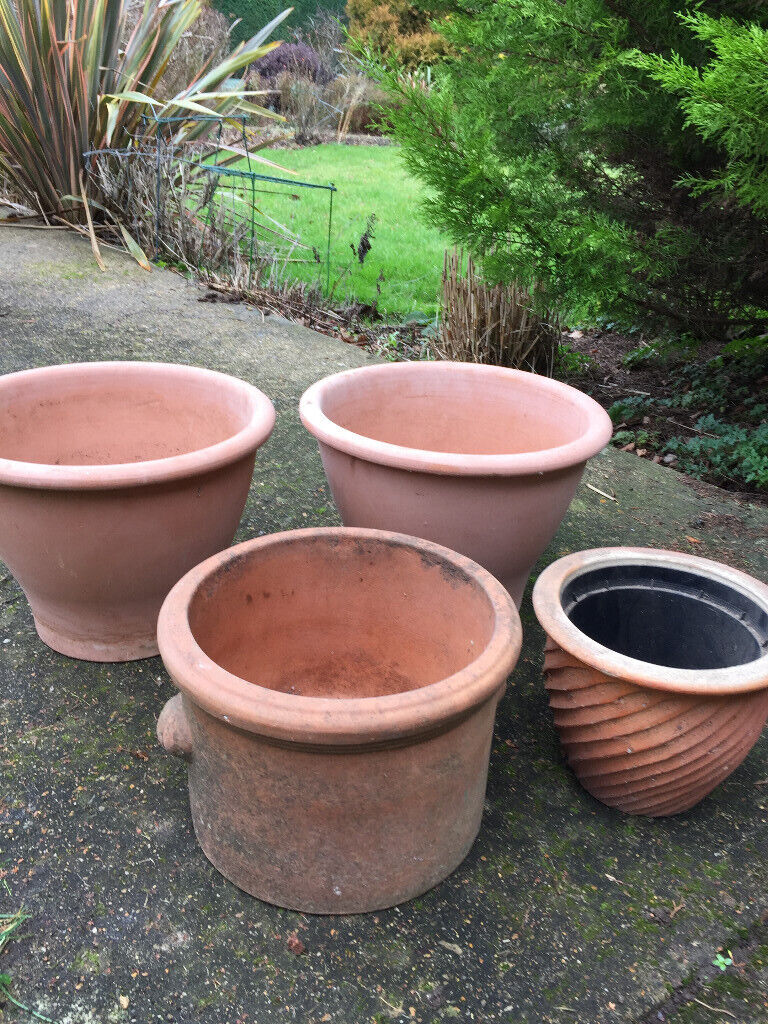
[612, 153]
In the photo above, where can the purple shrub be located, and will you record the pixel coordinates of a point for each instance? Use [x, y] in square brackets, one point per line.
[297, 58]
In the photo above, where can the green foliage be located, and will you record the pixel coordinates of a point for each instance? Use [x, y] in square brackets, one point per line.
[723, 962]
[74, 77]
[629, 408]
[622, 437]
[726, 103]
[640, 356]
[725, 452]
[572, 363]
[735, 379]
[553, 155]
[252, 14]
[731, 443]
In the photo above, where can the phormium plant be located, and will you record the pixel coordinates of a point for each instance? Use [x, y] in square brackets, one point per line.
[70, 82]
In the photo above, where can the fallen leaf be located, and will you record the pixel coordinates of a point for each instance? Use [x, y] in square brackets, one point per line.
[295, 944]
[451, 946]
[692, 540]
[124, 1001]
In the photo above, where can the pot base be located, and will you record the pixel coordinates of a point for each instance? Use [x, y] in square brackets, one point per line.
[131, 648]
[333, 902]
[333, 831]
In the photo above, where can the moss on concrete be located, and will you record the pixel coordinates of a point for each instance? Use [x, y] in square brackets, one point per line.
[564, 910]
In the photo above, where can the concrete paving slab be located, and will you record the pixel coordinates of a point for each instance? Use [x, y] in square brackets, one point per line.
[564, 910]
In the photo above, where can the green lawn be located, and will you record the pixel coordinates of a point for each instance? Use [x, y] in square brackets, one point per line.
[406, 253]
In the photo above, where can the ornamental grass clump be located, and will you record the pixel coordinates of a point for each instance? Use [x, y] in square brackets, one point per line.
[494, 324]
[75, 77]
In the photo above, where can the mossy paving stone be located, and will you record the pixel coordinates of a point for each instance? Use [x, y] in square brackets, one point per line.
[563, 911]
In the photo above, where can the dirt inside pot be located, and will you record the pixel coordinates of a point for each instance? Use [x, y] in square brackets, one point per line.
[326, 618]
[666, 616]
[94, 418]
[465, 414]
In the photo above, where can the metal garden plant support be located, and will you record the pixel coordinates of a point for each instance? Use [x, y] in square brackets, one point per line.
[227, 195]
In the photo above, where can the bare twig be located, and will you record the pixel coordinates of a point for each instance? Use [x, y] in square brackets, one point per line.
[715, 1009]
[685, 426]
[597, 490]
[34, 227]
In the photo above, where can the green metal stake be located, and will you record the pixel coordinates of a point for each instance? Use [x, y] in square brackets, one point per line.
[328, 248]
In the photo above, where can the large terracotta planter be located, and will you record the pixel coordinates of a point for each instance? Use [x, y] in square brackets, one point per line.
[480, 458]
[657, 670]
[338, 691]
[115, 479]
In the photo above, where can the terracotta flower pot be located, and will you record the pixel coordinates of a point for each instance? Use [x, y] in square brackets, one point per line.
[657, 670]
[480, 458]
[338, 691]
[115, 478]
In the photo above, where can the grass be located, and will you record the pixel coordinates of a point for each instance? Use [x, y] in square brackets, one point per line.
[406, 258]
[10, 923]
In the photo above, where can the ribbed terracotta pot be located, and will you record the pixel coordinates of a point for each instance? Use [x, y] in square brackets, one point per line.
[482, 459]
[338, 692]
[657, 671]
[115, 479]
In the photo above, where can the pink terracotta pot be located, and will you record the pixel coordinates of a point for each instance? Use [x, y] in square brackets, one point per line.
[115, 479]
[657, 670]
[338, 692]
[482, 459]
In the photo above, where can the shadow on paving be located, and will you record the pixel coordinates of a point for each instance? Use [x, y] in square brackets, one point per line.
[564, 910]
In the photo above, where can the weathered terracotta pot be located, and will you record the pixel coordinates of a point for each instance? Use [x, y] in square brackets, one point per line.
[115, 479]
[338, 691]
[480, 458]
[657, 670]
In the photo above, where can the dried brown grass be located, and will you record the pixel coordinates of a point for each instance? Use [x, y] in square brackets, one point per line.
[494, 324]
[200, 228]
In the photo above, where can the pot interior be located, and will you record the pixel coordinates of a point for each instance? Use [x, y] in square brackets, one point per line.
[667, 616]
[347, 618]
[463, 412]
[81, 416]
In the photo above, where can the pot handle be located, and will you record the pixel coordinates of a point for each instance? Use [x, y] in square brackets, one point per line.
[173, 729]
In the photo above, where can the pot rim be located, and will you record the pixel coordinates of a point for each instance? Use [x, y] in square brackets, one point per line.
[335, 721]
[598, 433]
[547, 603]
[248, 438]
